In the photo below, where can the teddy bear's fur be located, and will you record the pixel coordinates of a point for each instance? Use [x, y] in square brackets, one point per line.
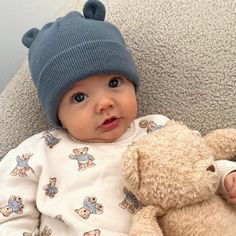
[172, 172]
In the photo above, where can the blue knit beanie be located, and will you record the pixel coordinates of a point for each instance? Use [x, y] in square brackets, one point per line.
[73, 48]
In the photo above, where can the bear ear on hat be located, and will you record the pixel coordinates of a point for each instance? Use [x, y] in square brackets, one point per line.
[94, 9]
[29, 37]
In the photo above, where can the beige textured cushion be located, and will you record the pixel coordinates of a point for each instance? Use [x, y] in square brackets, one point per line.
[185, 52]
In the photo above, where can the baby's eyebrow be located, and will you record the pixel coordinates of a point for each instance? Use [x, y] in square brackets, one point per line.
[76, 87]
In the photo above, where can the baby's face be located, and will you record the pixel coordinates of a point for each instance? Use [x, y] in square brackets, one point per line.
[99, 108]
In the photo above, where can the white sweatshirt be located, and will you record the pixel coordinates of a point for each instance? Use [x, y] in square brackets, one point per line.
[54, 185]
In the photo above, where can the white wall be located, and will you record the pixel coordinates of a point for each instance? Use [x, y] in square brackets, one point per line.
[16, 17]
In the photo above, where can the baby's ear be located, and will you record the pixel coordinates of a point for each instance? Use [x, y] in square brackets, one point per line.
[130, 168]
[29, 37]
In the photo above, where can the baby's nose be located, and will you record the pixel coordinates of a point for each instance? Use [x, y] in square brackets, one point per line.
[104, 104]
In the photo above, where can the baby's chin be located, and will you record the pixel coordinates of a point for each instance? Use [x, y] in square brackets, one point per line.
[107, 137]
[100, 140]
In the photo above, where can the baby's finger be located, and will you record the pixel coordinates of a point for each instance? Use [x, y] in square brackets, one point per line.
[231, 200]
[228, 183]
[232, 191]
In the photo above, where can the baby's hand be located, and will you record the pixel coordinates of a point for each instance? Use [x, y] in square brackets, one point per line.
[230, 186]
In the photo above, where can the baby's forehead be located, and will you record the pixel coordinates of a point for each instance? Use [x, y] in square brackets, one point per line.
[88, 81]
[76, 85]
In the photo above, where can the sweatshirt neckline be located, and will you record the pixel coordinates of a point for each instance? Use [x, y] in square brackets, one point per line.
[124, 138]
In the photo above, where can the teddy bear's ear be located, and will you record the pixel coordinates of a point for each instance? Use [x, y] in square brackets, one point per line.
[130, 167]
[222, 143]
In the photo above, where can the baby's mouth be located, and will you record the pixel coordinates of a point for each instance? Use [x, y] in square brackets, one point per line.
[108, 121]
[110, 124]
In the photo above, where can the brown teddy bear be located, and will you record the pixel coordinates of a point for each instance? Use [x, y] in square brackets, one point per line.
[172, 172]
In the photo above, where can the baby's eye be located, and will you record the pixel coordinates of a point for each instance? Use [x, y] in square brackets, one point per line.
[79, 97]
[115, 82]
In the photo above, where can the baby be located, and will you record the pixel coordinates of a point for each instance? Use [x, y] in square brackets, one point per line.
[68, 180]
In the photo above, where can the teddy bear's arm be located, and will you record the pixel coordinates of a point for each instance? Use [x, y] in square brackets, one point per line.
[145, 223]
[222, 143]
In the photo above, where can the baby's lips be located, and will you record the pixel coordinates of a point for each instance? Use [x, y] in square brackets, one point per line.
[107, 121]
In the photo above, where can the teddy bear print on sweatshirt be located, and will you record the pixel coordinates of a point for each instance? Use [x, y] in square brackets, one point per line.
[90, 206]
[130, 202]
[95, 232]
[50, 188]
[50, 140]
[149, 125]
[22, 165]
[15, 205]
[46, 232]
[84, 159]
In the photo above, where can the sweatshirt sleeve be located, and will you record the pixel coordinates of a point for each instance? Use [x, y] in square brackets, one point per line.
[18, 187]
[225, 167]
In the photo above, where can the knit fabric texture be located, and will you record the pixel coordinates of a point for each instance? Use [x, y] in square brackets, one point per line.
[73, 48]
